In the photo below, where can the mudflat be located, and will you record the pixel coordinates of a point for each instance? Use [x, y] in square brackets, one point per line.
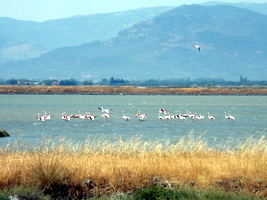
[133, 90]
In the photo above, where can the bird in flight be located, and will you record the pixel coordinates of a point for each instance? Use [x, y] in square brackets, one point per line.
[198, 47]
[104, 110]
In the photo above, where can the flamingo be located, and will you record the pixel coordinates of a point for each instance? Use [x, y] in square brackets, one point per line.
[41, 118]
[210, 117]
[104, 110]
[180, 116]
[105, 115]
[168, 117]
[229, 116]
[66, 117]
[141, 116]
[91, 117]
[188, 114]
[47, 117]
[126, 118]
[201, 117]
[78, 116]
[163, 111]
[198, 117]
[83, 116]
[198, 47]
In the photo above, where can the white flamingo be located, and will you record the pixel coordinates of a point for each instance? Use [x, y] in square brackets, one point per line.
[66, 117]
[41, 118]
[91, 117]
[105, 115]
[210, 117]
[180, 116]
[229, 116]
[47, 117]
[200, 117]
[83, 116]
[141, 116]
[167, 116]
[126, 118]
[188, 114]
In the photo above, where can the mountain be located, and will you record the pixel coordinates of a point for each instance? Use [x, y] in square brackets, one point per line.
[233, 42]
[28, 39]
[257, 7]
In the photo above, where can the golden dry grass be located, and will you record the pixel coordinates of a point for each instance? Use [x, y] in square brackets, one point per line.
[123, 166]
[129, 90]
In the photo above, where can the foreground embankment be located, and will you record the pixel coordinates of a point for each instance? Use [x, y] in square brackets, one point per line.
[131, 90]
[104, 167]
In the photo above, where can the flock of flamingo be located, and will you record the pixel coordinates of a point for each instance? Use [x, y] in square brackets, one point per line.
[162, 115]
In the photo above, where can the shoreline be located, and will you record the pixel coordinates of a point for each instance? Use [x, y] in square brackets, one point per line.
[130, 90]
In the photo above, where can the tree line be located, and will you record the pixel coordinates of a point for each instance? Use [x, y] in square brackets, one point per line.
[149, 82]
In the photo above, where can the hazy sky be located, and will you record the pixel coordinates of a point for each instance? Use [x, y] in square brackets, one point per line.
[41, 10]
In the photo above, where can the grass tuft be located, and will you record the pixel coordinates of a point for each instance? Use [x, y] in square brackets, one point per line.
[102, 166]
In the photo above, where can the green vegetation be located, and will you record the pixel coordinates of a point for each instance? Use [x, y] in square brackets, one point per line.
[150, 193]
[186, 193]
[20, 192]
[208, 82]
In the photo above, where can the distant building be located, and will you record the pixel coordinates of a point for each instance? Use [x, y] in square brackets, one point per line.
[21, 82]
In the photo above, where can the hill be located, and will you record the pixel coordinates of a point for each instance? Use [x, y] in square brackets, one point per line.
[257, 7]
[233, 43]
[27, 39]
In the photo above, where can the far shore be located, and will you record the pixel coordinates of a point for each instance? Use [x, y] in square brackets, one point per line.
[132, 90]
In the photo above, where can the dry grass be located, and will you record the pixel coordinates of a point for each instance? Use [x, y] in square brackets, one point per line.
[129, 90]
[124, 166]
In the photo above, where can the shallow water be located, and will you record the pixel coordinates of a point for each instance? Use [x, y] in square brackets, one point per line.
[18, 117]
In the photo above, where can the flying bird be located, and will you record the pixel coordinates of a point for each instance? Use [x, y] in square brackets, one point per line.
[198, 47]
[104, 110]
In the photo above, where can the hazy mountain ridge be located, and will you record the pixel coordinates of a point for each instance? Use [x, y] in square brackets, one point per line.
[52, 34]
[232, 41]
[20, 40]
[257, 7]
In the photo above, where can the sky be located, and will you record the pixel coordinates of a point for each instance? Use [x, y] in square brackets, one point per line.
[42, 10]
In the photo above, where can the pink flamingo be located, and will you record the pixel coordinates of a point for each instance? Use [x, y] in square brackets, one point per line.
[41, 118]
[126, 118]
[66, 117]
[141, 116]
[164, 111]
[210, 117]
[91, 117]
[229, 116]
[105, 115]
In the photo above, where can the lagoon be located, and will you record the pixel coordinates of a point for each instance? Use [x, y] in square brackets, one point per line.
[18, 117]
